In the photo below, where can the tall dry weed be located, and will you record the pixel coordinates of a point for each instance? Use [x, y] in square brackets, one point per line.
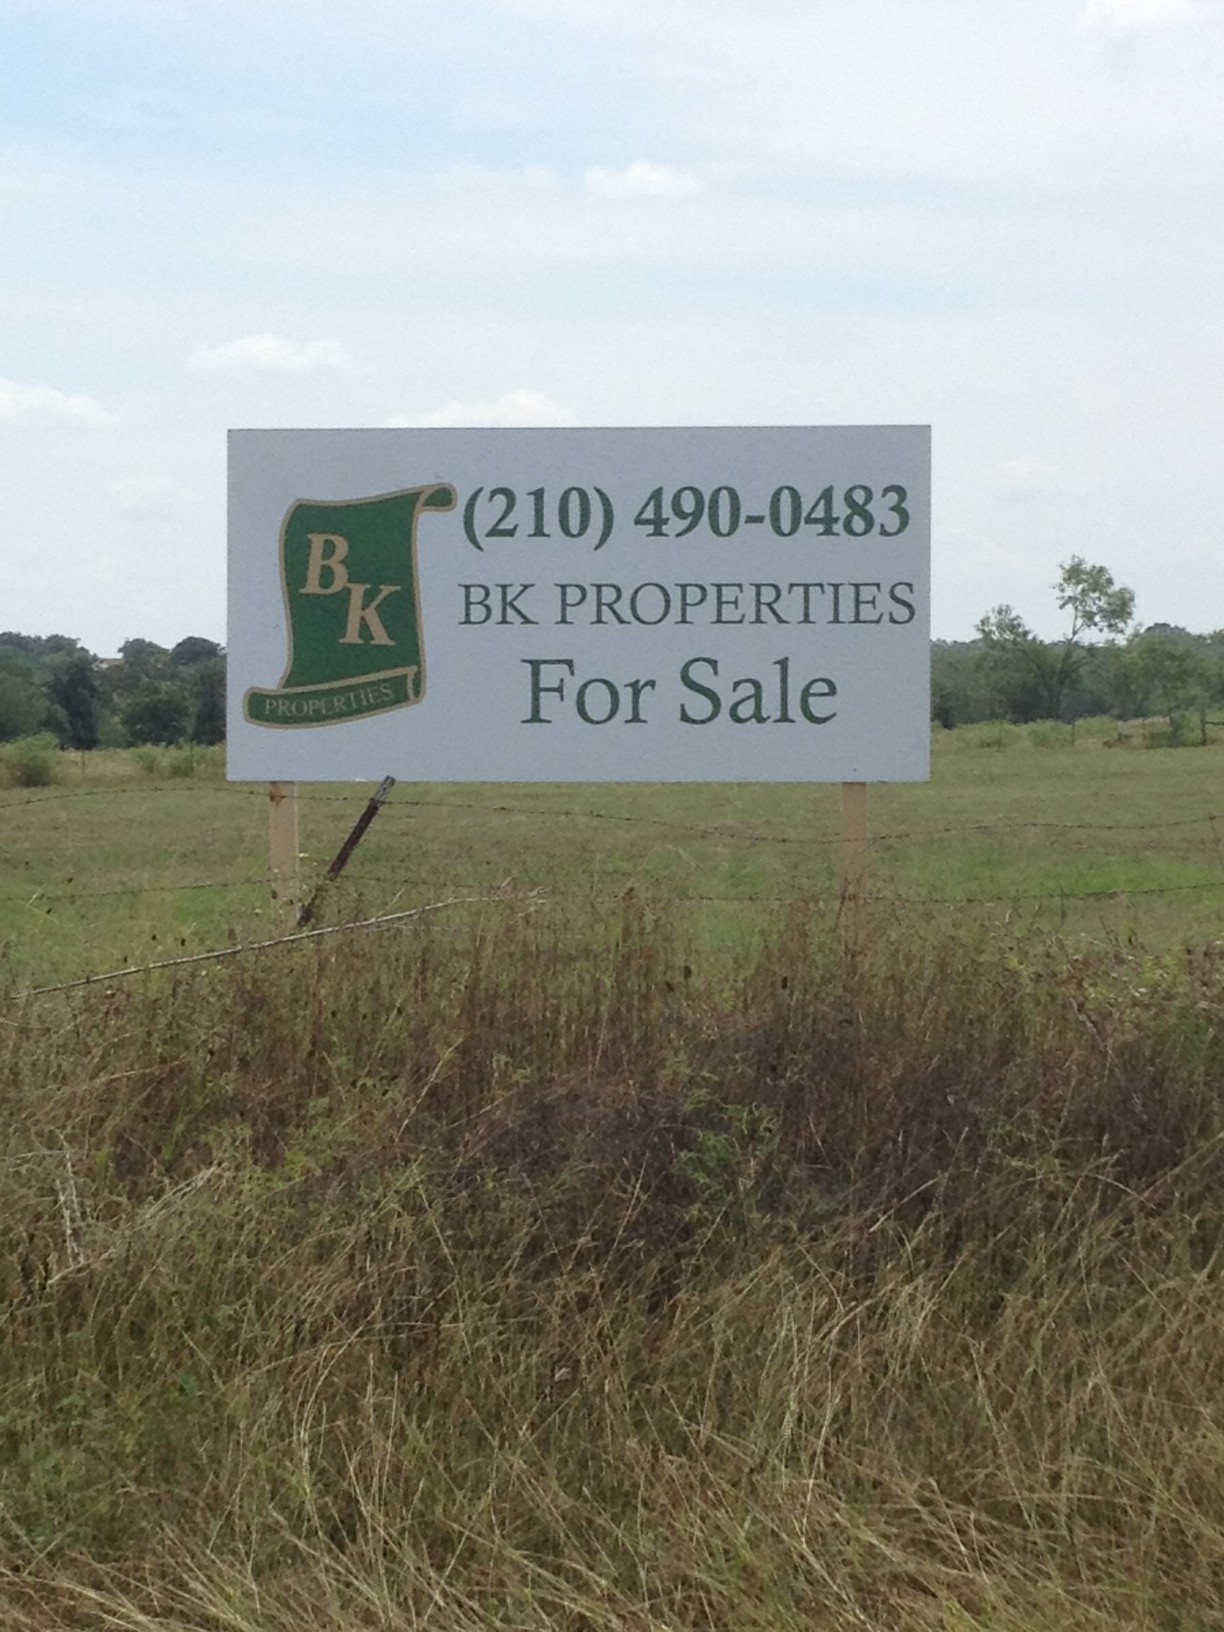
[517, 1272]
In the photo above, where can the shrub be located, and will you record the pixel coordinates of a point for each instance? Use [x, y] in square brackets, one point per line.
[1183, 730]
[1097, 728]
[149, 760]
[1051, 734]
[31, 761]
[1176, 731]
[995, 734]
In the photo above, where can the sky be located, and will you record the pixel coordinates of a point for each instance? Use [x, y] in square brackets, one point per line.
[1002, 218]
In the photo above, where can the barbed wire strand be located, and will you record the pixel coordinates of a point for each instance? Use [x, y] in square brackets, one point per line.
[45, 892]
[534, 895]
[382, 921]
[402, 880]
[405, 805]
[725, 834]
[1003, 826]
[33, 895]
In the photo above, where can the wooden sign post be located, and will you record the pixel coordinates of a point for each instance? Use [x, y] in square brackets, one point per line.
[853, 872]
[283, 850]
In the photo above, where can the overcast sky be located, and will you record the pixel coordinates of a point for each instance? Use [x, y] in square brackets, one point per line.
[999, 217]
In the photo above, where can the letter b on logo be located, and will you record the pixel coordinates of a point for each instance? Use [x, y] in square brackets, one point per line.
[324, 559]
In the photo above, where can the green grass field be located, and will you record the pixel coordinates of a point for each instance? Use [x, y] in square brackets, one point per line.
[606, 1254]
[113, 865]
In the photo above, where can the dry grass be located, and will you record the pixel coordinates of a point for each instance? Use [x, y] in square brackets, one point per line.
[519, 1273]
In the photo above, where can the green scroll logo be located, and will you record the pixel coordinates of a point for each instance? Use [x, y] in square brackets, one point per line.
[352, 603]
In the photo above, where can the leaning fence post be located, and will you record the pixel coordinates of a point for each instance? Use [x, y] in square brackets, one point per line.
[350, 844]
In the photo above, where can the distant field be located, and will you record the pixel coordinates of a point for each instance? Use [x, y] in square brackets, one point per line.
[124, 858]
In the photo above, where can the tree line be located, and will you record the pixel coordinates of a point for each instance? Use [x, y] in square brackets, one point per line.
[1103, 664]
[148, 695]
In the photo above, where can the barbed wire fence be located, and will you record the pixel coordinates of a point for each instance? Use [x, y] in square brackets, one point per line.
[888, 891]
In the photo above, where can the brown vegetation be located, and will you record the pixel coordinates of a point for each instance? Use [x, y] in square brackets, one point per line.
[519, 1273]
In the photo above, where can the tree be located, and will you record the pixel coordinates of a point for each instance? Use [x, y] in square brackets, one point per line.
[1160, 673]
[193, 649]
[143, 662]
[73, 688]
[23, 705]
[1038, 676]
[11, 640]
[158, 714]
[208, 722]
[1017, 668]
[1093, 599]
[960, 690]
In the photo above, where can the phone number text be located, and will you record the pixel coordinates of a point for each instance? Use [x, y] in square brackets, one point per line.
[588, 513]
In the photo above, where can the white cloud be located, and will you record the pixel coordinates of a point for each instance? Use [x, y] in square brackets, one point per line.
[641, 179]
[1138, 16]
[44, 405]
[267, 354]
[151, 493]
[514, 408]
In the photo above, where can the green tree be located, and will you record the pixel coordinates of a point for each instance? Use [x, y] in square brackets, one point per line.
[1160, 673]
[158, 714]
[208, 721]
[141, 663]
[73, 689]
[12, 641]
[60, 646]
[192, 650]
[1017, 668]
[1034, 677]
[23, 705]
[960, 693]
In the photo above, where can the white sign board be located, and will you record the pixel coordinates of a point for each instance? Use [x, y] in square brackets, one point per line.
[714, 604]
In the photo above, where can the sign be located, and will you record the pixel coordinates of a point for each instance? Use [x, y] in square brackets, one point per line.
[713, 604]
